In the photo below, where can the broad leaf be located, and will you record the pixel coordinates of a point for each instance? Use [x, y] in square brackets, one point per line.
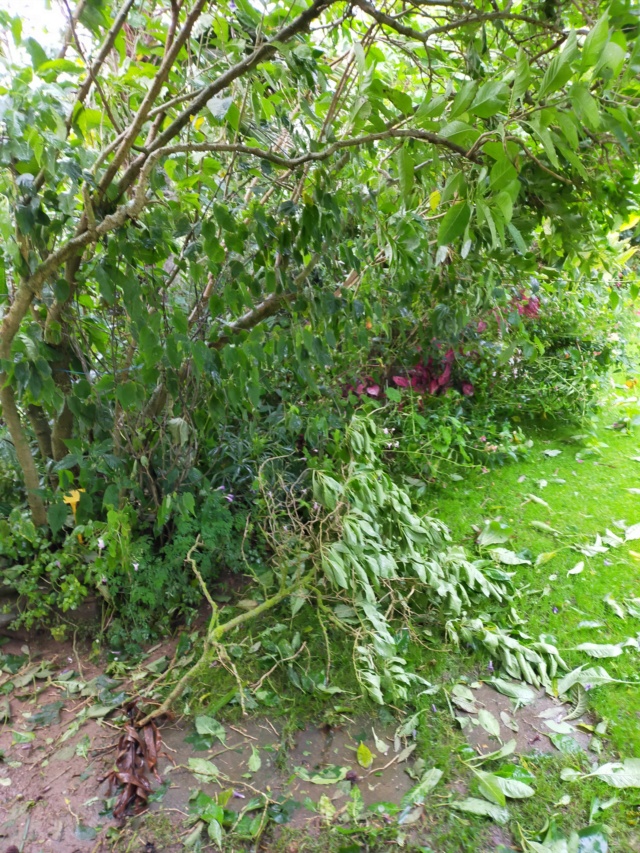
[454, 223]
[472, 805]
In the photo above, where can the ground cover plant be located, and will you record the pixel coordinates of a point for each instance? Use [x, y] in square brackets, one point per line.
[282, 290]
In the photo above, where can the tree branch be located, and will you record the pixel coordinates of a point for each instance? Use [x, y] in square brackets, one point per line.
[103, 53]
[423, 37]
[264, 51]
[318, 156]
[154, 90]
[538, 162]
[267, 308]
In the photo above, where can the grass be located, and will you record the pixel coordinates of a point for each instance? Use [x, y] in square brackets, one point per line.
[598, 471]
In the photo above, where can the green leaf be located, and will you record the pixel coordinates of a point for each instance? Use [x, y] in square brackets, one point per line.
[559, 69]
[84, 832]
[427, 783]
[503, 173]
[488, 722]
[500, 814]
[585, 105]
[517, 238]
[506, 749]
[364, 756]
[625, 774]
[594, 677]
[381, 745]
[565, 743]
[491, 99]
[216, 833]
[568, 774]
[515, 789]
[47, 715]
[461, 133]
[522, 78]
[52, 67]
[128, 395]
[56, 516]
[503, 203]
[405, 173]
[613, 57]
[595, 650]
[508, 558]
[494, 533]
[204, 771]
[463, 98]
[255, 762]
[489, 788]
[523, 694]
[210, 726]
[596, 39]
[454, 223]
[36, 52]
[329, 775]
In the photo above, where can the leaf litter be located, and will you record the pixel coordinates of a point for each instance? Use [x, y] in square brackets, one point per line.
[136, 756]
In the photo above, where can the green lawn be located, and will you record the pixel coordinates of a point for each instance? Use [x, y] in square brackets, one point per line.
[598, 472]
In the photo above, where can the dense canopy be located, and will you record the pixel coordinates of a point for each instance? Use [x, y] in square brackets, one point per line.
[228, 226]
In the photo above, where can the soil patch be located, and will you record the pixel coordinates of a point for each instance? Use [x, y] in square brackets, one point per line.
[532, 726]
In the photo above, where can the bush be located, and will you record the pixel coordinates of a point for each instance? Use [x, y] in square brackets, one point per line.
[143, 584]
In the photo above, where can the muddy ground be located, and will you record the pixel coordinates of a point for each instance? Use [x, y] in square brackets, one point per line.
[63, 719]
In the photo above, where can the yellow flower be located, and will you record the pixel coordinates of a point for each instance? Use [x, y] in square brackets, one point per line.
[73, 499]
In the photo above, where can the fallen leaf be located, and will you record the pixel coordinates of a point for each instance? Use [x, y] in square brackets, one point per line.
[488, 722]
[255, 762]
[329, 775]
[364, 756]
[381, 745]
[481, 807]
[632, 532]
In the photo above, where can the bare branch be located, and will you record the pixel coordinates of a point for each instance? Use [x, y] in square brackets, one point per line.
[68, 36]
[538, 162]
[154, 90]
[103, 53]
[324, 154]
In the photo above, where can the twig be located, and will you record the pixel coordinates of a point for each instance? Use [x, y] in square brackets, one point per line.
[240, 732]
[260, 681]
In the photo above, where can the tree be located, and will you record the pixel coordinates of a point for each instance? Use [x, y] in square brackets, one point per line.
[197, 196]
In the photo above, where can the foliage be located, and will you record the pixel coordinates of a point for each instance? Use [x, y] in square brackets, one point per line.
[374, 563]
[141, 582]
[206, 226]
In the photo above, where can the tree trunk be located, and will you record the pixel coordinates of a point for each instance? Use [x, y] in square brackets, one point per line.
[42, 429]
[8, 330]
[23, 452]
[62, 430]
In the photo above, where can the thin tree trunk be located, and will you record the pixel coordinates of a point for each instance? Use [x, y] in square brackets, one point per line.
[26, 461]
[62, 431]
[42, 429]
[8, 330]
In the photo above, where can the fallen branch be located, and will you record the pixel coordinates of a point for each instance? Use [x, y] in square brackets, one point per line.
[215, 632]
